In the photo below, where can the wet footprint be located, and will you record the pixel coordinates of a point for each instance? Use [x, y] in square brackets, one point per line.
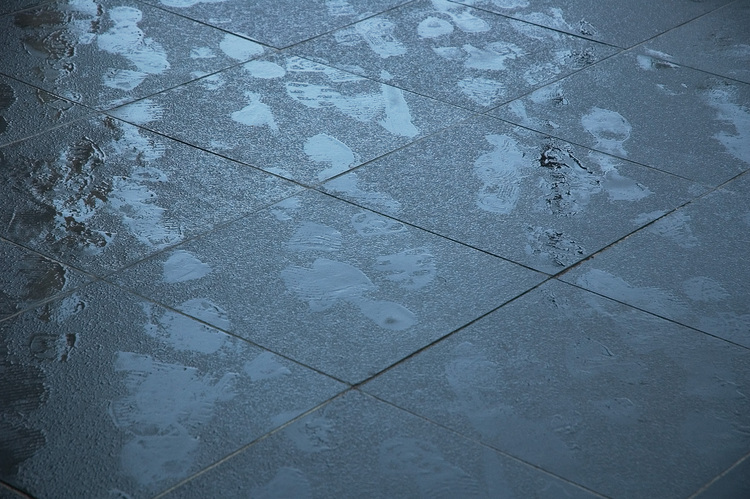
[324, 148]
[412, 269]
[126, 39]
[312, 236]
[256, 113]
[610, 130]
[328, 282]
[350, 186]
[434, 27]
[552, 247]
[386, 314]
[501, 174]
[378, 34]
[493, 57]
[461, 17]
[370, 224]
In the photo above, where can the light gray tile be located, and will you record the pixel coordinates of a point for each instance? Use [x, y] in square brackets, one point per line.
[639, 107]
[293, 117]
[688, 266]
[331, 285]
[104, 394]
[358, 447]
[609, 397]
[453, 53]
[515, 193]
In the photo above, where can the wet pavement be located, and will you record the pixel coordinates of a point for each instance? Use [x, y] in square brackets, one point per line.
[379, 248]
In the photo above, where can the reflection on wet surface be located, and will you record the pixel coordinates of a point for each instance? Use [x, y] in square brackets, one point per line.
[415, 45]
[211, 211]
[102, 52]
[159, 408]
[106, 185]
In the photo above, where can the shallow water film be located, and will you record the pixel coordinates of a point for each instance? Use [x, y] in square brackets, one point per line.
[374, 248]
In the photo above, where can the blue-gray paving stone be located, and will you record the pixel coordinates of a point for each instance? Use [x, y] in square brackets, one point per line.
[105, 394]
[26, 111]
[293, 117]
[453, 53]
[718, 42]
[640, 107]
[278, 23]
[27, 278]
[689, 266]
[610, 21]
[735, 484]
[110, 52]
[356, 446]
[515, 193]
[617, 400]
[331, 285]
[101, 193]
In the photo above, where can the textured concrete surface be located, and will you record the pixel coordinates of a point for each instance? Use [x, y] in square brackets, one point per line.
[365, 248]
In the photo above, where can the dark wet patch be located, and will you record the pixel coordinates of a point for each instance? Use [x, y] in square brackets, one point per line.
[40, 17]
[570, 180]
[22, 391]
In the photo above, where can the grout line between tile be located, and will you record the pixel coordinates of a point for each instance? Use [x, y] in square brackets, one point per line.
[250, 444]
[720, 476]
[483, 444]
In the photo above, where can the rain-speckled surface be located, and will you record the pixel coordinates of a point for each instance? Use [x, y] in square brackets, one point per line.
[293, 117]
[357, 446]
[620, 23]
[376, 248]
[621, 393]
[343, 290]
[454, 53]
[515, 193]
[101, 193]
[108, 52]
[106, 394]
[639, 106]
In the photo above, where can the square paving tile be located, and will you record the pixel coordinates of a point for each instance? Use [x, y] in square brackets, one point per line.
[100, 193]
[515, 193]
[356, 446]
[278, 23]
[453, 53]
[718, 42]
[27, 278]
[164, 395]
[110, 52]
[610, 21]
[689, 266]
[26, 111]
[333, 286]
[293, 117]
[612, 398]
[648, 110]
